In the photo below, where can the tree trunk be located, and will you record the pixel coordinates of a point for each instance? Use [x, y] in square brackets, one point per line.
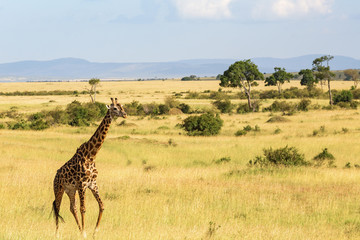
[94, 94]
[330, 95]
[248, 92]
[279, 88]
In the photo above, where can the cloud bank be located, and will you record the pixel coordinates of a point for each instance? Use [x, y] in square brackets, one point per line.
[203, 9]
[282, 9]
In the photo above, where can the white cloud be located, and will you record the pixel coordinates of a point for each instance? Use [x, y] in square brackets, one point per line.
[208, 9]
[291, 8]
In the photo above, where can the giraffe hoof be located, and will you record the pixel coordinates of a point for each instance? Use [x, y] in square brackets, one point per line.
[84, 234]
[96, 230]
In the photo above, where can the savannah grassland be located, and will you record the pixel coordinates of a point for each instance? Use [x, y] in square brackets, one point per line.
[158, 183]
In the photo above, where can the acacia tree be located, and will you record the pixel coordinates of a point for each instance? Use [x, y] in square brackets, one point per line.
[242, 74]
[354, 75]
[278, 78]
[308, 79]
[323, 72]
[93, 83]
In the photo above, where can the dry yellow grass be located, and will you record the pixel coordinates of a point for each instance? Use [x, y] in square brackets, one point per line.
[156, 190]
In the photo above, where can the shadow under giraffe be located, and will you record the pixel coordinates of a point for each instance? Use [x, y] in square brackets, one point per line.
[80, 173]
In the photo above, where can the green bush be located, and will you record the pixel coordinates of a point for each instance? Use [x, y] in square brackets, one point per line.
[356, 93]
[224, 106]
[282, 106]
[57, 116]
[20, 125]
[185, 108]
[134, 108]
[343, 96]
[204, 125]
[304, 104]
[269, 94]
[286, 156]
[84, 114]
[241, 133]
[163, 109]
[323, 156]
[39, 124]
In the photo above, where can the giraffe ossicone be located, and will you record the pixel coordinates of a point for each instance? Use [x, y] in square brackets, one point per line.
[80, 173]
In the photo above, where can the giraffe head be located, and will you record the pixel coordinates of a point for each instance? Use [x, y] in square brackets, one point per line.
[116, 109]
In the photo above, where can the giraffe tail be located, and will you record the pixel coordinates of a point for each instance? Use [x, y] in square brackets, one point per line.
[56, 213]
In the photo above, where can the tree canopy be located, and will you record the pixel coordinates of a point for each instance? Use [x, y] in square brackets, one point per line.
[93, 83]
[323, 72]
[353, 74]
[307, 78]
[242, 74]
[278, 78]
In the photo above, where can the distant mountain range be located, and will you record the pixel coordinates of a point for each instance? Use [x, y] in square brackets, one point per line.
[73, 68]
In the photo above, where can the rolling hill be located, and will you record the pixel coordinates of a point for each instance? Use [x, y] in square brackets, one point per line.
[73, 68]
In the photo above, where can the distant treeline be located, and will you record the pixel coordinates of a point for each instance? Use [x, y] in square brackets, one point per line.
[290, 93]
[43, 93]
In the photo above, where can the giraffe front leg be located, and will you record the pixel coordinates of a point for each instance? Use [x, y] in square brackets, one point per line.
[82, 209]
[95, 191]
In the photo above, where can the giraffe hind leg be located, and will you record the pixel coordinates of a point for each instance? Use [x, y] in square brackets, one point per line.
[56, 206]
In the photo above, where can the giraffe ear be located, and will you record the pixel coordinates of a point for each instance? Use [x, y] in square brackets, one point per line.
[107, 106]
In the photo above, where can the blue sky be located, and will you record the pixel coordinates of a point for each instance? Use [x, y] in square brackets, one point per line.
[167, 30]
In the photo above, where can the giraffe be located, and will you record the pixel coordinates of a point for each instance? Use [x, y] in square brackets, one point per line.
[80, 172]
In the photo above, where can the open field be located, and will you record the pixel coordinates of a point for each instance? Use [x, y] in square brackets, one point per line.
[158, 183]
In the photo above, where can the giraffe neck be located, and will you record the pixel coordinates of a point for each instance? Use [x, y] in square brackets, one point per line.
[95, 142]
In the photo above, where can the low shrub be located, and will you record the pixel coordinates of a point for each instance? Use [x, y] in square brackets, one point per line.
[303, 105]
[356, 93]
[222, 160]
[185, 108]
[241, 133]
[204, 125]
[20, 125]
[134, 108]
[275, 119]
[282, 106]
[224, 106]
[324, 156]
[39, 124]
[247, 129]
[84, 114]
[343, 96]
[286, 156]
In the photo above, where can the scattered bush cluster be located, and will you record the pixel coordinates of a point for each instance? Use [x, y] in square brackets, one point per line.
[247, 129]
[75, 114]
[137, 109]
[43, 93]
[284, 106]
[287, 156]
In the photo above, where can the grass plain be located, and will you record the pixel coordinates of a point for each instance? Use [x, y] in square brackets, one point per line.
[158, 183]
